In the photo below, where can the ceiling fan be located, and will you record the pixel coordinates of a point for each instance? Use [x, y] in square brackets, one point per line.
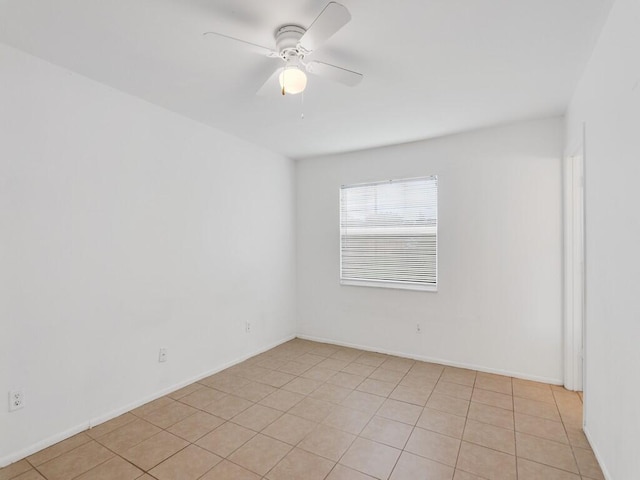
[294, 43]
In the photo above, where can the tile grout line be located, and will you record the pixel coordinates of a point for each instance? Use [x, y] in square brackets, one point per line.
[564, 426]
[402, 450]
[356, 436]
[559, 443]
[465, 425]
[36, 468]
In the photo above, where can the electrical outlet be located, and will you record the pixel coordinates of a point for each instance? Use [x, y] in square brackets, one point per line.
[162, 356]
[418, 328]
[247, 327]
[16, 400]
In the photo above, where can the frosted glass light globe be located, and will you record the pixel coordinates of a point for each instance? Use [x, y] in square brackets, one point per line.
[292, 80]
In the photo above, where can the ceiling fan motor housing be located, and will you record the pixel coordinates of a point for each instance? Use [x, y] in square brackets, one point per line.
[287, 39]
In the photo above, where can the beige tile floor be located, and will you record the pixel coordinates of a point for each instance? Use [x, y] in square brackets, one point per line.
[314, 411]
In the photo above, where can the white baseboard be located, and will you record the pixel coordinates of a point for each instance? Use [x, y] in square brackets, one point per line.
[47, 442]
[422, 358]
[603, 467]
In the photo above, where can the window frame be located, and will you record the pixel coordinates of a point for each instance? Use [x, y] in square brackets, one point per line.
[431, 287]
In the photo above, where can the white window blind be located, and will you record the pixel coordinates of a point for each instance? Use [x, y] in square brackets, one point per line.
[389, 232]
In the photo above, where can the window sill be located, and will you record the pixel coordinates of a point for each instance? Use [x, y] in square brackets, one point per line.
[396, 285]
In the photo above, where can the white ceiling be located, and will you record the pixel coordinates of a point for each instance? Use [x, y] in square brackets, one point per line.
[431, 67]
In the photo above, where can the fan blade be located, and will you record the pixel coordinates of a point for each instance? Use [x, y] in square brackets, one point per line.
[253, 47]
[331, 19]
[271, 85]
[332, 72]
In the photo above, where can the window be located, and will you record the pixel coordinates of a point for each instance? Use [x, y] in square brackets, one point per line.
[388, 234]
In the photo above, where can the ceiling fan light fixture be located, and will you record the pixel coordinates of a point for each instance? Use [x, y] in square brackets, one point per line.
[292, 80]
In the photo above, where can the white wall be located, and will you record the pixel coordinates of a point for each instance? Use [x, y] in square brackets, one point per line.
[124, 228]
[499, 305]
[607, 100]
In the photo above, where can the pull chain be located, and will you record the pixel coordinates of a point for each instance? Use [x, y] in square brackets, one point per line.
[302, 106]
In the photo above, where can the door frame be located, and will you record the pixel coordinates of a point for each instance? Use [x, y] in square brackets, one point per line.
[574, 267]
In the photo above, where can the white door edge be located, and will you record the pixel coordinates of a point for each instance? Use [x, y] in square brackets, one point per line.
[574, 269]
